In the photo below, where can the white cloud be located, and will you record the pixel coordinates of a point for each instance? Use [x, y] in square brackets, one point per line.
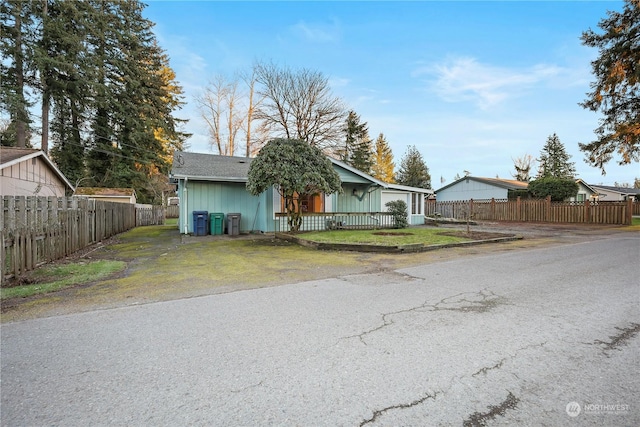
[464, 79]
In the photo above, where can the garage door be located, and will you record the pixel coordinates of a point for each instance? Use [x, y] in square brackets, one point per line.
[389, 196]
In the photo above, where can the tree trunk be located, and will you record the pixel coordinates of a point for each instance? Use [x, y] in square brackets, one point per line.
[21, 127]
[294, 217]
[46, 95]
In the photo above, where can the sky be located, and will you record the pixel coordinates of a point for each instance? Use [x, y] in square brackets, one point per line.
[472, 85]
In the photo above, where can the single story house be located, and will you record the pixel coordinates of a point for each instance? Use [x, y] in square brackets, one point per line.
[217, 185]
[616, 194]
[585, 192]
[29, 172]
[118, 195]
[477, 188]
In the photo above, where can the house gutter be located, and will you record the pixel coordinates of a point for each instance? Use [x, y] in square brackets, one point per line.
[186, 200]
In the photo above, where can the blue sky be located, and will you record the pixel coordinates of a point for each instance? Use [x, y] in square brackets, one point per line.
[473, 85]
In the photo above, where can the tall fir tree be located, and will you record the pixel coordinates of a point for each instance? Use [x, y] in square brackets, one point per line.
[616, 89]
[357, 150]
[554, 160]
[383, 166]
[413, 170]
[17, 41]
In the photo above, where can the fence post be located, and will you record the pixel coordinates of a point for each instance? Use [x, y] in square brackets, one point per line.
[629, 214]
[587, 211]
[547, 209]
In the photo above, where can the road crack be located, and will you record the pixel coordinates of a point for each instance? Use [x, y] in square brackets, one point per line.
[479, 419]
[502, 361]
[380, 412]
[466, 302]
[621, 339]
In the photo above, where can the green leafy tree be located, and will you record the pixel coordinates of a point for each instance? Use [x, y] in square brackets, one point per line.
[399, 211]
[554, 160]
[616, 90]
[383, 165]
[558, 188]
[296, 169]
[413, 170]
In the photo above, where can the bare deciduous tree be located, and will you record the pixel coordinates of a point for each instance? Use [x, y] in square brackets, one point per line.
[219, 107]
[299, 105]
[523, 166]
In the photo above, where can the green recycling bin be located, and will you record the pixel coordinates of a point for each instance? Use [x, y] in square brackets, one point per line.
[216, 222]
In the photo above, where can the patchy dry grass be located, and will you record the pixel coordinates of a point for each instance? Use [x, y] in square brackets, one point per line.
[405, 236]
[52, 278]
[163, 265]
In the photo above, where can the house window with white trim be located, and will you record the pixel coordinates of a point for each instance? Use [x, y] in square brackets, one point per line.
[416, 204]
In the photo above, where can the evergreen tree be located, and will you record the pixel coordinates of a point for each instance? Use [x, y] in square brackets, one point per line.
[616, 90]
[383, 165]
[554, 160]
[97, 65]
[413, 170]
[357, 150]
[16, 45]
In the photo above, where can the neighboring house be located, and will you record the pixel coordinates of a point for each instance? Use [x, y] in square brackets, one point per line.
[29, 172]
[118, 195]
[585, 192]
[217, 184]
[476, 188]
[614, 194]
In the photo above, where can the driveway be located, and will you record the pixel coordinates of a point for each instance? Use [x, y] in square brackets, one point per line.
[546, 335]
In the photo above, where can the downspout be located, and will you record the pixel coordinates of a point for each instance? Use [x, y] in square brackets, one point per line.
[186, 200]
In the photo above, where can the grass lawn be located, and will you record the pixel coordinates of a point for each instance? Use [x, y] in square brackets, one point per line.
[635, 220]
[394, 237]
[54, 277]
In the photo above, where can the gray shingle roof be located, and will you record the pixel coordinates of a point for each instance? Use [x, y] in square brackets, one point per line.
[210, 167]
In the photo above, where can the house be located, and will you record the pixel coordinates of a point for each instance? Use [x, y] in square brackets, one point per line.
[585, 192]
[217, 185]
[29, 172]
[614, 194]
[476, 188]
[118, 195]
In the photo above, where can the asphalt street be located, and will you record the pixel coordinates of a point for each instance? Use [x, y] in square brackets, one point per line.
[545, 336]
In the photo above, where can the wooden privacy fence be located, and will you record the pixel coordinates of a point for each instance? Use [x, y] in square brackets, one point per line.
[35, 230]
[149, 215]
[172, 211]
[538, 210]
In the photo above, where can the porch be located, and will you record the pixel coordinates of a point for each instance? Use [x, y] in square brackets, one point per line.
[337, 221]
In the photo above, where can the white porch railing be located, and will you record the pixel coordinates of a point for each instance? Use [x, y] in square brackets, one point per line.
[338, 220]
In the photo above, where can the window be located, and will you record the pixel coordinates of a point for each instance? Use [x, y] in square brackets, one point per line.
[308, 204]
[416, 204]
[581, 197]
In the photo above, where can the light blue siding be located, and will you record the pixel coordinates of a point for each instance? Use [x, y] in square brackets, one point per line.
[224, 197]
[471, 189]
[367, 199]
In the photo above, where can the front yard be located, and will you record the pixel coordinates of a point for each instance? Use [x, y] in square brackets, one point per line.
[427, 236]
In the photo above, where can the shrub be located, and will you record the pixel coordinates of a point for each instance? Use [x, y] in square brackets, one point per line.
[398, 209]
[558, 188]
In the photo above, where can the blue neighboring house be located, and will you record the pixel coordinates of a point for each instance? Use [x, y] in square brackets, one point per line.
[217, 185]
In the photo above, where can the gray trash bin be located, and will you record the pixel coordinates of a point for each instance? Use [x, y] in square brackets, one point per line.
[233, 224]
